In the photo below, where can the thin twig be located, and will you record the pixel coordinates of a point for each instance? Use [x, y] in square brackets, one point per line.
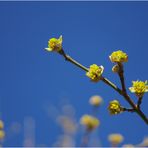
[68, 58]
[128, 109]
[121, 75]
[108, 82]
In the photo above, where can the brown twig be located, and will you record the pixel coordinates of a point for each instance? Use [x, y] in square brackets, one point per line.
[128, 109]
[121, 75]
[139, 102]
[68, 58]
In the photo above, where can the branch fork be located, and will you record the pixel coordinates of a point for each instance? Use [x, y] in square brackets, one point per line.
[122, 92]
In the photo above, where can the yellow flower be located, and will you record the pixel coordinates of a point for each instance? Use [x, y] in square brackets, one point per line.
[55, 44]
[139, 88]
[2, 134]
[1, 124]
[114, 107]
[95, 72]
[90, 122]
[115, 138]
[95, 100]
[118, 56]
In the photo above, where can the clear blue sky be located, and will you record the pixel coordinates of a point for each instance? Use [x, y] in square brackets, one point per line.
[31, 78]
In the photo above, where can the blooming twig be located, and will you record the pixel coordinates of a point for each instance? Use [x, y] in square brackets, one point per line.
[95, 74]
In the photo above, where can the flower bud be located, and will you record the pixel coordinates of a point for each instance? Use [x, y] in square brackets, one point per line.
[115, 107]
[115, 68]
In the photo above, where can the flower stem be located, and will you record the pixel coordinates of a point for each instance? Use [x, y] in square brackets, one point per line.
[139, 101]
[128, 109]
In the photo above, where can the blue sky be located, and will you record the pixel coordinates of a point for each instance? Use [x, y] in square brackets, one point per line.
[31, 78]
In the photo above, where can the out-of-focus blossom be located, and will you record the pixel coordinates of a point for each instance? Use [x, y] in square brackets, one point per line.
[89, 122]
[144, 142]
[128, 146]
[95, 72]
[29, 132]
[95, 100]
[118, 57]
[68, 125]
[64, 141]
[115, 139]
[65, 118]
[139, 88]
[2, 134]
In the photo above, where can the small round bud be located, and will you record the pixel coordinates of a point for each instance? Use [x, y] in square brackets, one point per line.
[115, 68]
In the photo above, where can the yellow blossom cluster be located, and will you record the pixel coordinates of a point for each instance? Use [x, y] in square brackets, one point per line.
[139, 88]
[115, 107]
[118, 57]
[95, 72]
[55, 44]
[89, 122]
